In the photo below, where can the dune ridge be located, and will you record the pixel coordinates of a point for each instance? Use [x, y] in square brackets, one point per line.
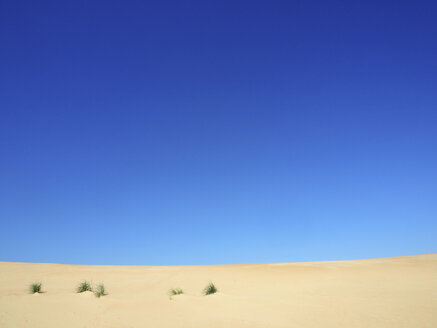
[384, 292]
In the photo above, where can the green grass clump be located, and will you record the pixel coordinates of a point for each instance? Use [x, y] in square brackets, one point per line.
[35, 287]
[210, 289]
[175, 291]
[84, 286]
[100, 290]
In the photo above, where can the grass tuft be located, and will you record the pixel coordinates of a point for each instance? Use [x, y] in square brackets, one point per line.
[35, 287]
[84, 286]
[175, 291]
[100, 290]
[210, 289]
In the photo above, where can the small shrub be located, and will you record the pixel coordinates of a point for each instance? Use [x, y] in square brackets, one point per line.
[35, 287]
[175, 291]
[84, 286]
[210, 289]
[100, 290]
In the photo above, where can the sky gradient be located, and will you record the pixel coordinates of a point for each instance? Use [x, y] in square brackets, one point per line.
[207, 132]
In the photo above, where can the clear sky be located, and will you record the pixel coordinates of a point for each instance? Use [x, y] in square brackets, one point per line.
[202, 132]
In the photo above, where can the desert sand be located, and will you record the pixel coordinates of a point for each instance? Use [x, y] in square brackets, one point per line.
[389, 292]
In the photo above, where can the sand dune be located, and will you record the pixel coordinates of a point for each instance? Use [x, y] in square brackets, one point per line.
[389, 292]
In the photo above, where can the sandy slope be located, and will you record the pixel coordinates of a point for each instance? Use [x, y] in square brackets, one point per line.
[390, 292]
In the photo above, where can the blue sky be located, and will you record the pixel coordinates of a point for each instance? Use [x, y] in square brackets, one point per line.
[206, 132]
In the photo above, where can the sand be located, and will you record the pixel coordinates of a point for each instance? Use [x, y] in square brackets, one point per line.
[390, 292]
